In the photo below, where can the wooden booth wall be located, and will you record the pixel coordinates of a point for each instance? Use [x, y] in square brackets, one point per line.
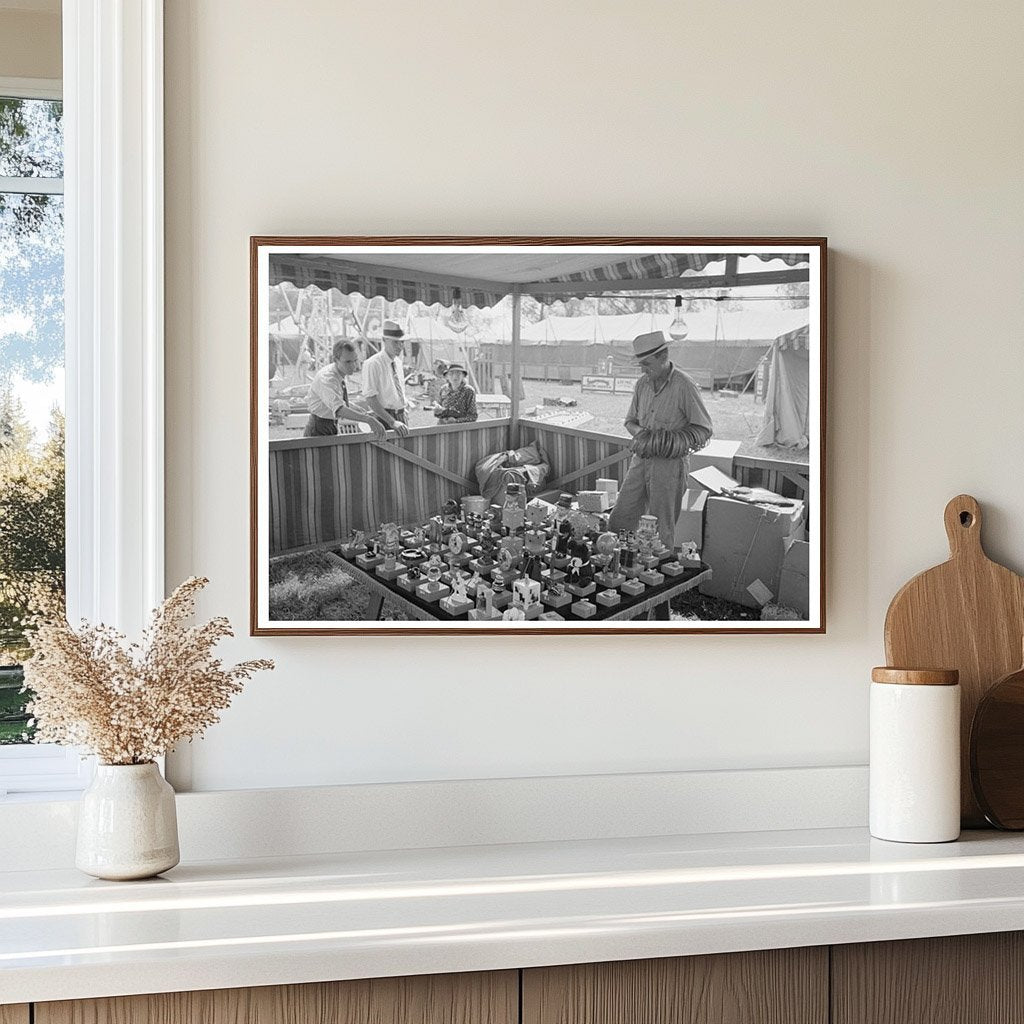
[578, 457]
[323, 488]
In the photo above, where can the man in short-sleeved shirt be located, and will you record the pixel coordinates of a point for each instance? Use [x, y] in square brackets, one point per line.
[328, 399]
[384, 380]
[667, 420]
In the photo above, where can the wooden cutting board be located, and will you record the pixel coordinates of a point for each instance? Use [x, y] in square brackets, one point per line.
[967, 614]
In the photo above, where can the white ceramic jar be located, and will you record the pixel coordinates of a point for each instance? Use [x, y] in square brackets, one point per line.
[915, 755]
[127, 823]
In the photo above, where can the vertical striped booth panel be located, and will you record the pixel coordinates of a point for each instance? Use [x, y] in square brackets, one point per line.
[320, 489]
[571, 450]
[790, 479]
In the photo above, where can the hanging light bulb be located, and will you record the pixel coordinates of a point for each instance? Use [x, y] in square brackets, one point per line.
[678, 330]
[456, 319]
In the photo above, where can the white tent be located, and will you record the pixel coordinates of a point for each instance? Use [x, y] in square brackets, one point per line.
[787, 401]
[436, 340]
[752, 326]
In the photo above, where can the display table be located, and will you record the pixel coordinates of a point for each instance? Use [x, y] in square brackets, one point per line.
[628, 608]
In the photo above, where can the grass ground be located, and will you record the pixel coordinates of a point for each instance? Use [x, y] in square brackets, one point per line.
[12, 719]
[311, 587]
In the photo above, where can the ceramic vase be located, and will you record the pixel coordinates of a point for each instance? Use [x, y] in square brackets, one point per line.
[127, 825]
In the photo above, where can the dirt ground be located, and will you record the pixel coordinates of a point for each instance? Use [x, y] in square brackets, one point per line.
[736, 418]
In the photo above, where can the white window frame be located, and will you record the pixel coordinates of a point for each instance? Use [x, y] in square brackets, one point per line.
[114, 348]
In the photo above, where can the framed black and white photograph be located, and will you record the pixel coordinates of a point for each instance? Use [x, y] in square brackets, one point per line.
[537, 434]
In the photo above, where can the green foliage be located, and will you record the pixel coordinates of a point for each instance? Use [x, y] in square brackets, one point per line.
[31, 525]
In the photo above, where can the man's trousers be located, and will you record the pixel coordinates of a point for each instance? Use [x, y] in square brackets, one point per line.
[655, 486]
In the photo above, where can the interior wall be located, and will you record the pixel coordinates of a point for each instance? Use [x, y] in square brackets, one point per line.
[30, 43]
[893, 129]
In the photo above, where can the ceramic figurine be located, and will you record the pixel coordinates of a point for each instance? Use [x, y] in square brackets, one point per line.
[513, 510]
[419, 537]
[526, 594]
[487, 545]
[564, 537]
[513, 614]
[536, 513]
[615, 565]
[581, 570]
[434, 570]
[435, 530]
[510, 553]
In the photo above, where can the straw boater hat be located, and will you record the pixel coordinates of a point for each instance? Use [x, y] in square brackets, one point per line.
[392, 330]
[649, 344]
[456, 366]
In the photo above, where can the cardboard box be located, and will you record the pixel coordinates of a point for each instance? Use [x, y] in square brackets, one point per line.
[743, 543]
[690, 523]
[795, 579]
[594, 501]
[717, 453]
[711, 478]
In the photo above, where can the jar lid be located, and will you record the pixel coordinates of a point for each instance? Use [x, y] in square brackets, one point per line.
[916, 676]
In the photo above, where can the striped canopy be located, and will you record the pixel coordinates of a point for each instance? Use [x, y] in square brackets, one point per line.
[484, 278]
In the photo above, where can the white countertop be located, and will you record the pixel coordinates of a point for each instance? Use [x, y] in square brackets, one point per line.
[356, 915]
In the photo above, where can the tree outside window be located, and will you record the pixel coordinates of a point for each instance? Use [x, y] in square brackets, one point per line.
[31, 386]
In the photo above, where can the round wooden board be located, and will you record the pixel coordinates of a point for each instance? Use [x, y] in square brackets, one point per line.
[997, 752]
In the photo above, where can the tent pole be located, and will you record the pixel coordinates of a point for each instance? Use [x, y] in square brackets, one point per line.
[517, 312]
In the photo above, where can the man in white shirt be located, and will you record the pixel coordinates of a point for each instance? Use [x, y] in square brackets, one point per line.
[328, 396]
[384, 381]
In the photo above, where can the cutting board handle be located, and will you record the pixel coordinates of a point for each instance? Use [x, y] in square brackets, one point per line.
[963, 527]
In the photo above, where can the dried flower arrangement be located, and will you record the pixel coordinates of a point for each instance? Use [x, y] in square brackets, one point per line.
[130, 703]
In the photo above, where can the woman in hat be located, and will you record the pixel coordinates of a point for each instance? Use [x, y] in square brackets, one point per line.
[457, 402]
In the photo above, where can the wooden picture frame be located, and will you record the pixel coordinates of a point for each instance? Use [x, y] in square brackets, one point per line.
[308, 493]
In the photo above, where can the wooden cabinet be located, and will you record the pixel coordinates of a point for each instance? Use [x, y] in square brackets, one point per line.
[777, 986]
[491, 998]
[962, 979]
[967, 979]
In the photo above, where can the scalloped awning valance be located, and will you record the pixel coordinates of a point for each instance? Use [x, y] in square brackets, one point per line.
[484, 279]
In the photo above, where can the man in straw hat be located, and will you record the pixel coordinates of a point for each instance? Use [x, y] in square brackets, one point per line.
[667, 420]
[384, 380]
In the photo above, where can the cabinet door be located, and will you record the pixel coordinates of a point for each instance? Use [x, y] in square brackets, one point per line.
[14, 1014]
[962, 979]
[778, 986]
[483, 998]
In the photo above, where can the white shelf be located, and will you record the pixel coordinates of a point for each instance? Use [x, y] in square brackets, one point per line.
[352, 915]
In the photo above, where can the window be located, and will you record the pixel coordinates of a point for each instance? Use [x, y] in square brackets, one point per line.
[32, 548]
